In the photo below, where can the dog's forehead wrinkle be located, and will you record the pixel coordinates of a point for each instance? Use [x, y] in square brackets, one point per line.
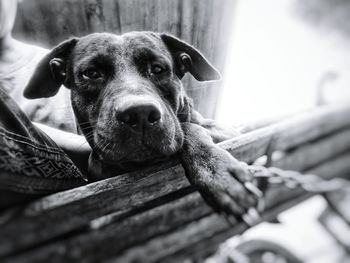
[121, 47]
[137, 40]
[98, 43]
[101, 39]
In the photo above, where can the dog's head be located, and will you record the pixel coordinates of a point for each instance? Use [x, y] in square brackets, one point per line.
[126, 91]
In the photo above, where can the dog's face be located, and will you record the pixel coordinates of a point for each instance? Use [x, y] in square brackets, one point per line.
[126, 91]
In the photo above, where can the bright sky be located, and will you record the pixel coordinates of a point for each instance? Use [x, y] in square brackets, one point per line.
[276, 62]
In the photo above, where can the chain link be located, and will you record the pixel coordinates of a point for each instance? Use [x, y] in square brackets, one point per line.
[259, 178]
[291, 179]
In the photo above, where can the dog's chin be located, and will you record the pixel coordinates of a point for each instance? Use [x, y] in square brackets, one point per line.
[122, 148]
[133, 165]
[136, 157]
[131, 161]
[115, 157]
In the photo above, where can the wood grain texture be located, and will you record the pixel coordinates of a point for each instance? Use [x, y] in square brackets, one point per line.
[131, 209]
[172, 231]
[289, 133]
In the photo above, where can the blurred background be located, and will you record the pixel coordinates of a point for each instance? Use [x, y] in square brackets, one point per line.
[204, 23]
[285, 56]
[297, 50]
[277, 57]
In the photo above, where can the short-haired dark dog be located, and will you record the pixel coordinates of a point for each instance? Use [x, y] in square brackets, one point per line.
[128, 98]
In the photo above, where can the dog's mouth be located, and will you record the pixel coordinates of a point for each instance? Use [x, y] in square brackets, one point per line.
[109, 153]
[134, 154]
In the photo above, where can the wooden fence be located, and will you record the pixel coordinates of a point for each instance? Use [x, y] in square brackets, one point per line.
[155, 215]
[206, 24]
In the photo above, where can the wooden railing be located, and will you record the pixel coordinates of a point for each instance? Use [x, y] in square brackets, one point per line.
[155, 215]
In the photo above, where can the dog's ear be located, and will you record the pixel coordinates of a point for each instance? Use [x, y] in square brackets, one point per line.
[51, 71]
[189, 59]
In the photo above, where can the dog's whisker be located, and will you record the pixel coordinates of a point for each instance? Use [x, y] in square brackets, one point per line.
[87, 127]
[104, 148]
[89, 133]
[101, 144]
[86, 124]
[81, 145]
[89, 138]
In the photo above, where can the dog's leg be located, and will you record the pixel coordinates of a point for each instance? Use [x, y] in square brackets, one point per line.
[217, 175]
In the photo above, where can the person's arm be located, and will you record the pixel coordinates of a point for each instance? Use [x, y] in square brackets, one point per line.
[74, 145]
[217, 131]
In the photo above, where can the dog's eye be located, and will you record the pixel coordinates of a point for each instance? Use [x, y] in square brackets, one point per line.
[92, 74]
[157, 69]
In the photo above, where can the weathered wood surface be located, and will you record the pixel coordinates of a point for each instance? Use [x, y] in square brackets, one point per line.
[192, 226]
[206, 24]
[129, 216]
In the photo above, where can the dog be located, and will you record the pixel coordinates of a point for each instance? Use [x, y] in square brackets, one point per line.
[128, 99]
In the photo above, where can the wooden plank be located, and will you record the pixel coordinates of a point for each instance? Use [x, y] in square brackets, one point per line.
[48, 22]
[190, 221]
[81, 205]
[311, 154]
[290, 133]
[77, 207]
[292, 158]
[208, 246]
[149, 222]
[201, 233]
[111, 11]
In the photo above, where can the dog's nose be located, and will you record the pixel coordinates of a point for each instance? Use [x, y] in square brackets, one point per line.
[139, 115]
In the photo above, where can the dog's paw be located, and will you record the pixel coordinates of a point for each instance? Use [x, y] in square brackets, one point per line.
[226, 185]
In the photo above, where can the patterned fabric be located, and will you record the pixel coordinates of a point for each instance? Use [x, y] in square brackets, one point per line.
[30, 162]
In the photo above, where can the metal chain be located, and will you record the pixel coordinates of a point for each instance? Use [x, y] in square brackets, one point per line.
[267, 176]
[292, 179]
